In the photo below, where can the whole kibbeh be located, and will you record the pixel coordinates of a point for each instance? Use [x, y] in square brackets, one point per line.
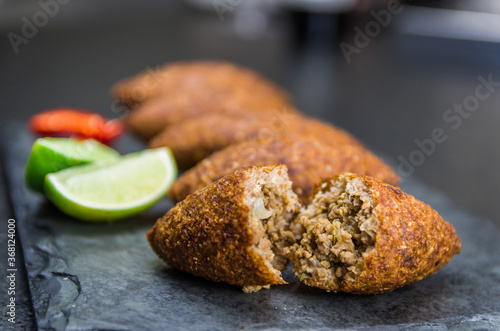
[154, 115]
[161, 97]
[308, 160]
[195, 138]
[210, 75]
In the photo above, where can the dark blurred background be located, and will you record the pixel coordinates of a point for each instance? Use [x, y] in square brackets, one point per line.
[389, 87]
[404, 77]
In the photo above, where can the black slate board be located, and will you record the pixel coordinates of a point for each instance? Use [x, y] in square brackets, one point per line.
[104, 276]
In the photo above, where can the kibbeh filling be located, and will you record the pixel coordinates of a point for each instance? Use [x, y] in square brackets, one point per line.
[272, 205]
[336, 229]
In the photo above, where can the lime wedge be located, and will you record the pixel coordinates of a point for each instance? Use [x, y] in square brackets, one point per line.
[53, 154]
[113, 189]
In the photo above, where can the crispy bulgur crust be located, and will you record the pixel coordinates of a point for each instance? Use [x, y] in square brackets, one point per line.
[155, 114]
[180, 90]
[412, 241]
[191, 76]
[212, 232]
[308, 160]
[194, 139]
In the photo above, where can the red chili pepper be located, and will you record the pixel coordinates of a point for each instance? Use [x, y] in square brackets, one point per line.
[79, 123]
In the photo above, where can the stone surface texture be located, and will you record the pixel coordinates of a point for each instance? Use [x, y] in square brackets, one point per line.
[104, 276]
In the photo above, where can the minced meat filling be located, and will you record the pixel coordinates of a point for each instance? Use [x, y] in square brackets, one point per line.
[325, 242]
[337, 228]
[276, 226]
[272, 205]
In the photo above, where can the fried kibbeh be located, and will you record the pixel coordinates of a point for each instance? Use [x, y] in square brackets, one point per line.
[191, 76]
[232, 231]
[308, 160]
[194, 139]
[156, 114]
[362, 236]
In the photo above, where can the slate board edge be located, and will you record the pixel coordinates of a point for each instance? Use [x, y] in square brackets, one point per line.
[7, 164]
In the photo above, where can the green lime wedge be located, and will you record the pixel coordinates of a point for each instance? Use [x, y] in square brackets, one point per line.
[53, 154]
[113, 189]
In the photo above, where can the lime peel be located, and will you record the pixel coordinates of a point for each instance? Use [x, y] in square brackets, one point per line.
[113, 189]
[51, 154]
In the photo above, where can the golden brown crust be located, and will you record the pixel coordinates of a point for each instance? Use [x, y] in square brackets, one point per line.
[169, 77]
[183, 90]
[196, 138]
[413, 241]
[208, 234]
[192, 76]
[308, 160]
[156, 114]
